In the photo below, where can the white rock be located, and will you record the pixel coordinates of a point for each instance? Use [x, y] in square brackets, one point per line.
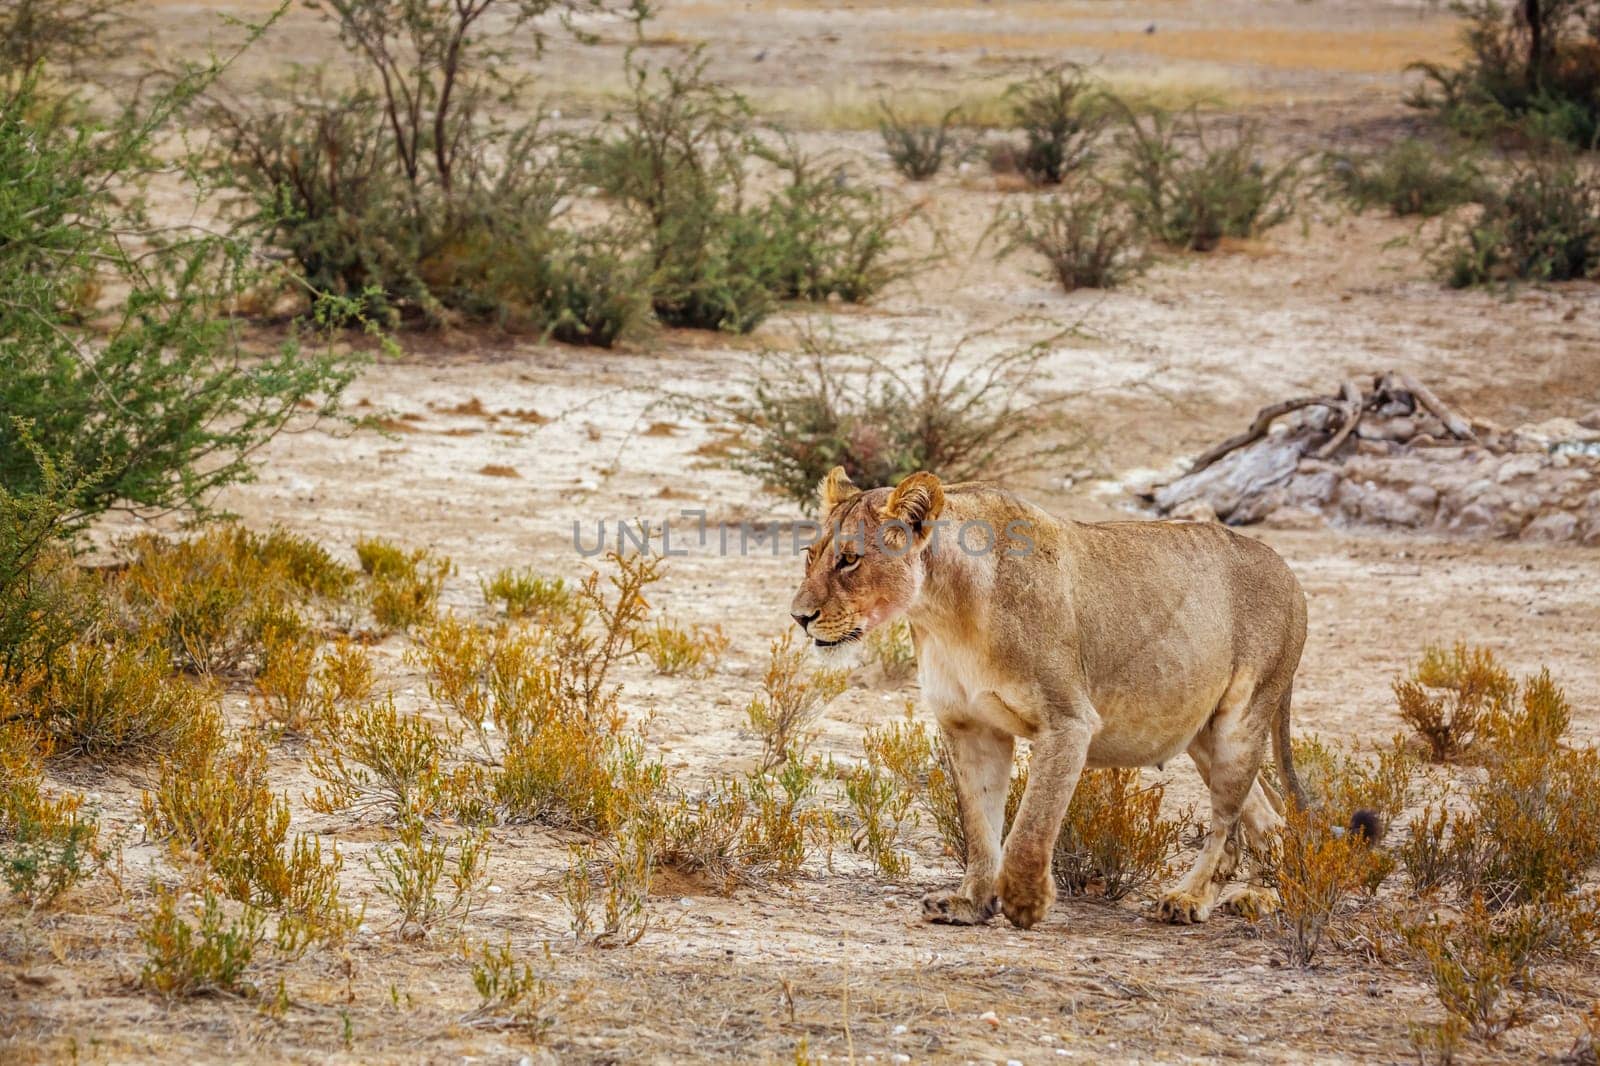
[991, 1017]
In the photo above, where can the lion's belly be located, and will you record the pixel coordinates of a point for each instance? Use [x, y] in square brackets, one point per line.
[1150, 719]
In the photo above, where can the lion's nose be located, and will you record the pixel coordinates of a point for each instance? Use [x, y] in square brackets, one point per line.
[804, 620]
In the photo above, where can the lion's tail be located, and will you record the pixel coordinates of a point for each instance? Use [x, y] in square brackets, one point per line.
[1365, 822]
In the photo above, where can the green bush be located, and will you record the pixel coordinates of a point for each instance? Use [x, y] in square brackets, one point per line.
[1543, 224]
[73, 35]
[1410, 177]
[675, 158]
[917, 151]
[1532, 66]
[1061, 115]
[827, 236]
[402, 193]
[1190, 187]
[158, 404]
[1088, 237]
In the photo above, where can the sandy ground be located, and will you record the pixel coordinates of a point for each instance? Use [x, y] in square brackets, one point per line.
[1159, 369]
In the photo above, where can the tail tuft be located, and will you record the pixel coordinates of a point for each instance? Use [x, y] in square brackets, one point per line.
[1367, 824]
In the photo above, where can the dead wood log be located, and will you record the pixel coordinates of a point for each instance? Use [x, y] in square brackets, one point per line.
[1258, 428]
[1458, 426]
[1355, 405]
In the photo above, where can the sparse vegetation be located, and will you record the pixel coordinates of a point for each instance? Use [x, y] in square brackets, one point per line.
[1114, 839]
[398, 191]
[216, 808]
[1449, 694]
[950, 413]
[1190, 185]
[1532, 67]
[412, 872]
[47, 844]
[1088, 237]
[894, 652]
[1542, 224]
[792, 695]
[1061, 115]
[404, 586]
[917, 151]
[692, 652]
[210, 955]
[675, 159]
[525, 594]
[1409, 177]
[1319, 867]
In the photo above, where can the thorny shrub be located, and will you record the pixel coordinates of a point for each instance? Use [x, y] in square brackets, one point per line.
[675, 157]
[1529, 67]
[1061, 115]
[917, 151]
[404, 193]
[963, 418]
[1541, 224]
[1088, 237]
[1409, 177]
[1189, 186]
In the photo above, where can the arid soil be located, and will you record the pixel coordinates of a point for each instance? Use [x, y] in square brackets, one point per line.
[1157, 371]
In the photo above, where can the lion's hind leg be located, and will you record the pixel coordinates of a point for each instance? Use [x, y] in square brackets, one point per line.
[1228, 753]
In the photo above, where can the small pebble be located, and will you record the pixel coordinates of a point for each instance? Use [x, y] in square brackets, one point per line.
[495, 890]
[991, 1017]
[900, 1030]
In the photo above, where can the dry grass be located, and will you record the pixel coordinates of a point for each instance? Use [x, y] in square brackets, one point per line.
[792, 695]
[1361, 51]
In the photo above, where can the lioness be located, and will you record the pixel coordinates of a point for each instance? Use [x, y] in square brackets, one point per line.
[1112, 644]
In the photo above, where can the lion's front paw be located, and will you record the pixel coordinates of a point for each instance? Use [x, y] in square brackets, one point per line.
[1025, 899]
[1249, 901]
[1183, 908]
[952, 908]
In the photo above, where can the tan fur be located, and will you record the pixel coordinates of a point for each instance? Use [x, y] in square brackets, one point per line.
[1112, 644]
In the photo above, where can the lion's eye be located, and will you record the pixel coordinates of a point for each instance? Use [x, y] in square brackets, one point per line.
[847, 561]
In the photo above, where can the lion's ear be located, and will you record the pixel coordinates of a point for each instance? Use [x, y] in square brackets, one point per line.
[836, 488]
[916, 501]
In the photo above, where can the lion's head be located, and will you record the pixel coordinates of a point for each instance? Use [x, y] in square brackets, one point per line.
[866, 565]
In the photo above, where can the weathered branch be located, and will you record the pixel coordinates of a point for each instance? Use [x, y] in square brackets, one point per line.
[1458, 426]
[1258, 428]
